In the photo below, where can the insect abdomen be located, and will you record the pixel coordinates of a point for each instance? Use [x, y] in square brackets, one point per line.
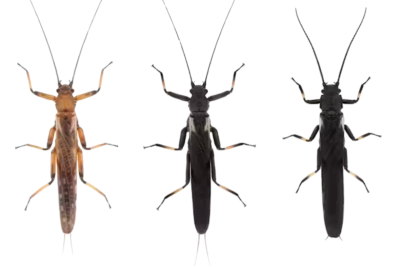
[333, 197]
[66, 145]
[201, 196]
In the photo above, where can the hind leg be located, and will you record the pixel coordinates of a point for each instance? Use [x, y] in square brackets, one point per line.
[80, 167]
[214, 178]
[186, 183]
[311, 174]
[52, 174]
[346, 168]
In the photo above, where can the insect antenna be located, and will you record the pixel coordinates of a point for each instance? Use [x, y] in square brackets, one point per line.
[346, 54]
[315, 54]
[187, 64]
[54, 63]
[80, 52]
[209, 65]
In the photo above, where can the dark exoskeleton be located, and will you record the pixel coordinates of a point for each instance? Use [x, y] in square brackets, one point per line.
[200, 163]
[332, 154]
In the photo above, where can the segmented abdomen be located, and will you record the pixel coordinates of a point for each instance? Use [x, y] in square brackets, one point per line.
[67, 185]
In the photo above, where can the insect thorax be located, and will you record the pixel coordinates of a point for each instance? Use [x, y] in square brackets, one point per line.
[66, 123]
[198, 102]
[65, 102]
[331, 100]
[199, 123]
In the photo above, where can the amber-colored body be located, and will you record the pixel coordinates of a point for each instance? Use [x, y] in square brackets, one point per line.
[67, 154]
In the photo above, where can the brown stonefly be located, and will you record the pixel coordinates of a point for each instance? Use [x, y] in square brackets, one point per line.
[66, 154]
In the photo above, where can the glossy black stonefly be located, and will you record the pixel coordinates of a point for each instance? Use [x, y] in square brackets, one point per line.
[332, 154]
[200, 163]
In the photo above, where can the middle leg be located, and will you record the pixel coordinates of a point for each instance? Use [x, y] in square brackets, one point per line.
[186, 183]
[218, 142]
[49, 140]
[214, 178]
[181, 141]
[314, 133]
[350, 134]
[83, 140]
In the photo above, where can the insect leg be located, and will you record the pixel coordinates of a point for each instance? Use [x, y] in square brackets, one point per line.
[218, 143]
[174, 95]
[52, 174]
[346, 168]
[181, 141]
[92, 93]
[214, 178]
[314, 133]
[49, 140]
[350, 134]
[39, 94]
[319, 159]
[186, 183]
[347, 101]
[83, 141]
[80, 167]
[315, 101]
[221, 95]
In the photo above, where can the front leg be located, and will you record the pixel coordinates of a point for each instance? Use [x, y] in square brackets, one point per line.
[174, 95]
[347, 101]
[39, 94]
[350, 134]
[92, 93]
[314, 133]
[218, 143]
[83, 140]
[221, 95]
[315, 101]
[181, 141]
[49, 140]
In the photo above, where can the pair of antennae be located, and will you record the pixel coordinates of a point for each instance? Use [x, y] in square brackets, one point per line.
[187, 64]
[319, 66]
[73, 76]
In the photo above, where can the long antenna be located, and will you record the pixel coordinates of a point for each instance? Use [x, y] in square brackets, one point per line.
[72, 81]
[346, 54]
[319, 66]
[58, 80]
[187, 64]
[205, 81]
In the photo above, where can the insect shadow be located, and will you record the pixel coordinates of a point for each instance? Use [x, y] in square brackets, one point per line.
[332, 153]
[66, 154]
[200, 160]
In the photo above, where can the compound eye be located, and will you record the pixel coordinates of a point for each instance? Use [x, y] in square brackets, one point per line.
[58, 90]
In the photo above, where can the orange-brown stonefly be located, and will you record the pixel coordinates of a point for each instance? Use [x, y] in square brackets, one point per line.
[66, 153]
